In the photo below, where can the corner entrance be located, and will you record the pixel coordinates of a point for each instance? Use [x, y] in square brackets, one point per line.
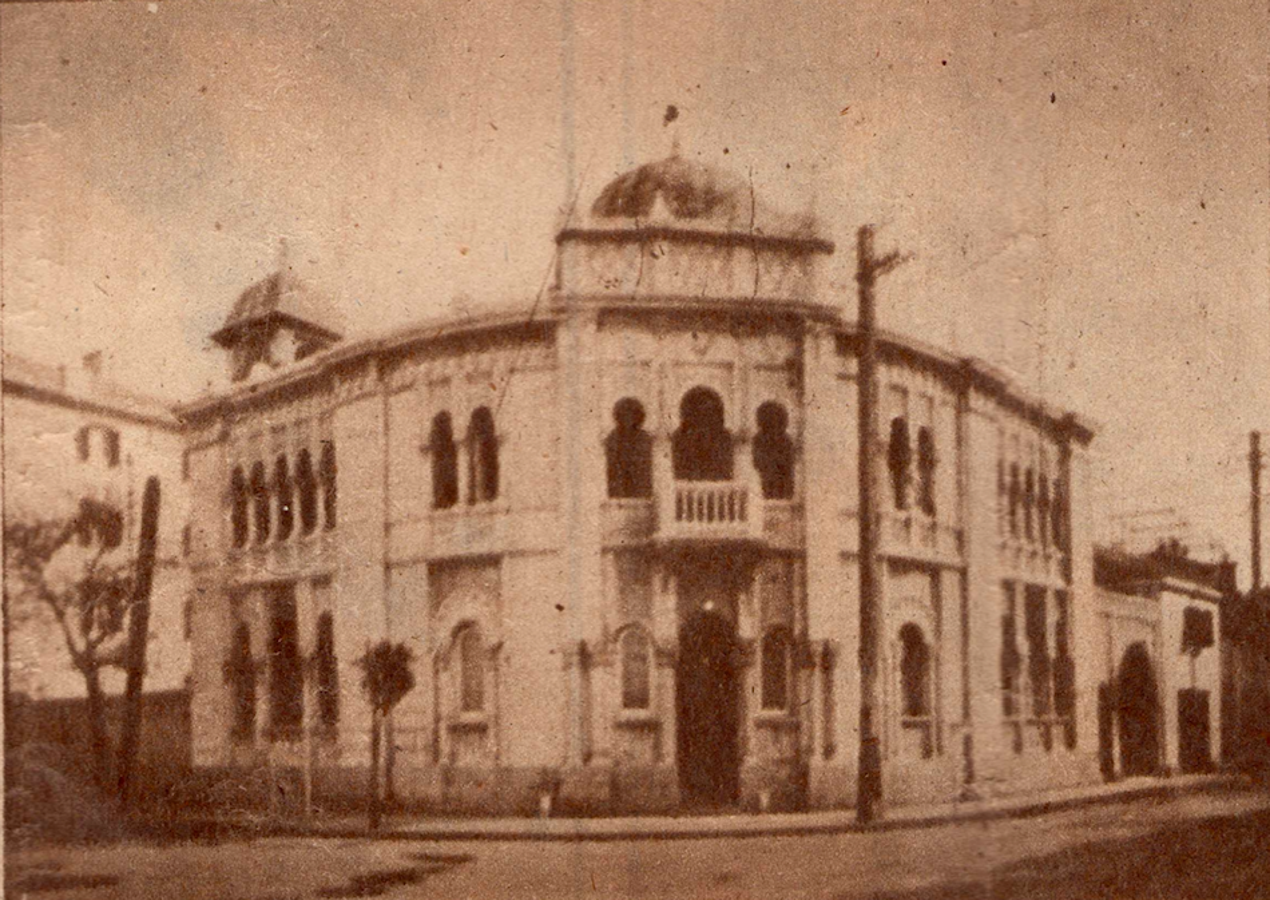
[706, 698]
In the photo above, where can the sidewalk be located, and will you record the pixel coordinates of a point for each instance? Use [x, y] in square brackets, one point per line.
[734, 825]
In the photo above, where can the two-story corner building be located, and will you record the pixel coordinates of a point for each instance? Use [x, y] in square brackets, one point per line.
[619, 531]
[72, 434]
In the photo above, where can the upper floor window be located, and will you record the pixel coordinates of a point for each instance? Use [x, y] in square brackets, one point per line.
[701, 446]
[775, 660]
[112, 447]
[260, 501]
[306, 485]
[1059, 514]
[482, 457]
[238, 499]
[636, 669]
[1029, 505]
[82, 446]
[282, 489]
[899, 459]
[1015, 499]
[445, 462]
[327, 474]
[774, 452]
[926, 462]
[628, 452]
[1043, 510]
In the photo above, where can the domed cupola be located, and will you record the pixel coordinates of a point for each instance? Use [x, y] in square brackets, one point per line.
[277, 321]
[677, 229]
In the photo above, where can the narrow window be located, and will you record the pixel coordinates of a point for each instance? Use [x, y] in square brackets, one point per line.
[238, 506]
[914, 672]
[1043, 511]
[774, 662]
[636, 671]
[186, 540]
[1011, 662]
[1016, 498]
[1029, 505]
[1038, 658]
[774, 452]
[82, 443]
[1064, 665]
[926, 462]
[628, 452]
[328, 476]
[482, 457]
[306, 484]
[899, 457]
[112, 448]
[240, 672]
[260, 501]
[1058, 514]
[701, 447]
[471, 671]
[185, 465]
[326, 670]
[286, 678]
[282, 488]
[445, 462]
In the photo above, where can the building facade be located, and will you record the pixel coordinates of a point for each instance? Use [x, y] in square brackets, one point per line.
[70, 434]
[619, 532]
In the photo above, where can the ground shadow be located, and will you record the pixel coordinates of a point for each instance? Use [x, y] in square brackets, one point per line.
[1227, 856]
[373, 884]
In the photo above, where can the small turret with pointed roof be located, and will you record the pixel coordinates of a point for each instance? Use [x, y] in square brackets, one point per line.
[277, 321]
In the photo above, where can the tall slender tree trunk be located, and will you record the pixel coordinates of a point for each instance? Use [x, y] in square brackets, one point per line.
[373, 784]
[138, 635]
[98, 730]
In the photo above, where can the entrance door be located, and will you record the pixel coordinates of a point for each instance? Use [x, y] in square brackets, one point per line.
[706, 691]
[1194, 750]
[1139, 709]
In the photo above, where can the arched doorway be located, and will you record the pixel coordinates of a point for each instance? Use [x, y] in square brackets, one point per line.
[706, 699]
[1138, 711]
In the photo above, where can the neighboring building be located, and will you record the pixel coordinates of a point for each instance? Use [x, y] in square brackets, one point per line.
[1161, 689]
[619, 532]
[1245, 647]
[70, 434]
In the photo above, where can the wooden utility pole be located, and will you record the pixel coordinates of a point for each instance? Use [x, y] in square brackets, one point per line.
[138, 636]
[868, 269]
[1254, 466]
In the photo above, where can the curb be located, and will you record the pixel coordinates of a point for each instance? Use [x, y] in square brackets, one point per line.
[731, 827]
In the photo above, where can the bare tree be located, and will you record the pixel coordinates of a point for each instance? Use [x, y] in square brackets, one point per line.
[74, 569]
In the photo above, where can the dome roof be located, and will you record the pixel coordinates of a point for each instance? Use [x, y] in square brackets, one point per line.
[684, 193]
[280, 296]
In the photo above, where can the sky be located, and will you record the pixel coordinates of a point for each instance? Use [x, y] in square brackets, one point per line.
[1084, 187]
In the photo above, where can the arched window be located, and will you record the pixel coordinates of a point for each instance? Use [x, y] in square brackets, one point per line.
[701, 447]
[260, 501]
[1029, 505]
[306, 484]
[328, 475]
[482, 457]
[282, 488]
[774, 452]
[899, 457]
[445, 462]
[926, 462]
[636, 670]
[471, 670]
[914, 672]
[238, 516]
[628, 452]
[1016, 497]
[326, 672]
[775, 665]
[240, 673]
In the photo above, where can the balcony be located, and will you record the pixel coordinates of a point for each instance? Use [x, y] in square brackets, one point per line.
[694, 511]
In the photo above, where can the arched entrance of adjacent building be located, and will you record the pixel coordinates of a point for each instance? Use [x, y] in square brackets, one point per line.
[1138, 711]
[707, 698]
